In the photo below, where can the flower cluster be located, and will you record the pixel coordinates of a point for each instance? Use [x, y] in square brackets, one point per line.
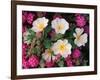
[54, 42]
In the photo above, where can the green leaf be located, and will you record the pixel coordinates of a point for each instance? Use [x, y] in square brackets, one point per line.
[32, 33]
[71, 41]
[47, 43]
[47, 30]
[36, 50]
[38, 42]
[57, 36]
[29, 37]
[77, 62]
[85, 62]
[61, 63]
[42, 64]
[62, 59]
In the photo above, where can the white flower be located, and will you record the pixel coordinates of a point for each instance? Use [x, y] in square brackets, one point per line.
[60, 25]
[25, 35]
[48, 56]
[62, 47]
[80, 38]
[39, 24]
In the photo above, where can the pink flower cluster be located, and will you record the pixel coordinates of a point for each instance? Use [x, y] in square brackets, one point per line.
[27, 17]
[31, 62]
[71, 59]
[49, 64]
[80, 20]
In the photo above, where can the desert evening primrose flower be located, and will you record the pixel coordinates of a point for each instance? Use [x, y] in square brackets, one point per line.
[62, 47]
[39, 24]
[80, 37]
[60, 25]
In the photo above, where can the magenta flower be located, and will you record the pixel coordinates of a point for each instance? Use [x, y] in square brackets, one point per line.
[86, 29]
[24, 63]
[33, 61]
[49, 64]
[38, 35]
[69, 62]
[30, 18]
[76, 53]
[80, 20]
[23, 29]
[57, 58]
[27, 17]
[24, 47]
[52, 33]
[24, 17]
[57, 16]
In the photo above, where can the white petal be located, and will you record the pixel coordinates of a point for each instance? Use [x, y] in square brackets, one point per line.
[79, 31]
[42, 20]
[69, 46]
[74, 34]
[77, 42]
[65, 41]
[83, 38]
[64, 55]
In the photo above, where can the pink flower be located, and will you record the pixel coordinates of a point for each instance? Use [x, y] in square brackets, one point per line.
[86, 29]
[27, 17]
[30, 18]
[49, 64]
[23, 29]
[76, 53]
[57, 16]
[80, 20]
[69, 61]
[57, 58]
[38, 34]
[24, 47]
[24, 17]
[24, 63]
[33, 61]
[52, 33]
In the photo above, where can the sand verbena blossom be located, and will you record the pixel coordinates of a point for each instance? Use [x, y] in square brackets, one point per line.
[62, 47]
[60, 25]
[39, 24]
[80, 37]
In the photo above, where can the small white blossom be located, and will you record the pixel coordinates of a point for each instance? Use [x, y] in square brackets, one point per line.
[39, 24]
[62, 47]
[60, 25]
[80, 38]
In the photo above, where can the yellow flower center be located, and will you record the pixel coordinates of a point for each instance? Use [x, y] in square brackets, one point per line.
[49, 52]
[62, 47]
[78, 37]
[60, 27]
[40, 26]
